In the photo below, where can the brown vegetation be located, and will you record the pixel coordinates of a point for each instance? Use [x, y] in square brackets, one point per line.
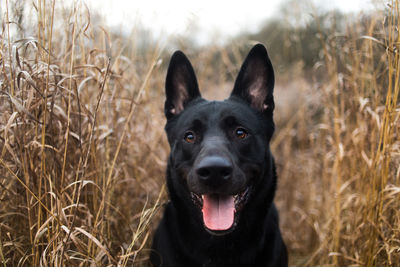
[83, 151]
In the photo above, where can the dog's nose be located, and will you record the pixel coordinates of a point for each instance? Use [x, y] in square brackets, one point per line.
[214, 170]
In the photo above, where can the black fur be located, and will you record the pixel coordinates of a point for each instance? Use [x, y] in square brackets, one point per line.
[220, 148]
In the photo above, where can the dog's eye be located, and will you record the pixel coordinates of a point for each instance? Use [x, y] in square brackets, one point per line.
[190, 137]
[241, 133]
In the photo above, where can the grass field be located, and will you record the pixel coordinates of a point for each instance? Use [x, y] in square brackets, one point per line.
[83, 151]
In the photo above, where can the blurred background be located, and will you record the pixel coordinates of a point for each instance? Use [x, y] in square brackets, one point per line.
[83, 150]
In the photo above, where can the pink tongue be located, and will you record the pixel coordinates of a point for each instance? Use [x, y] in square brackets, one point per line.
[218, 211]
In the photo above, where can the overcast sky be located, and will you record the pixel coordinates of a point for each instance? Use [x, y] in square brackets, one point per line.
[224, 17]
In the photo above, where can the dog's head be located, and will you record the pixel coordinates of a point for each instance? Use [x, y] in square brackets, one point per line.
[219, 148]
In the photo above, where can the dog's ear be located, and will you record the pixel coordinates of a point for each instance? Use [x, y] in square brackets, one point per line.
[181, 85]
[255, 81]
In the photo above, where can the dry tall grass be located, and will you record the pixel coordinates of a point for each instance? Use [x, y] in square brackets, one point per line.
[80, 125]
[340, 152]
[83, 150]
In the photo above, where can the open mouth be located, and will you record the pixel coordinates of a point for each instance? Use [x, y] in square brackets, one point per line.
[220, 212]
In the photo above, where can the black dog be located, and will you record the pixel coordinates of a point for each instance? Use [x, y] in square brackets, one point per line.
[221, 174]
